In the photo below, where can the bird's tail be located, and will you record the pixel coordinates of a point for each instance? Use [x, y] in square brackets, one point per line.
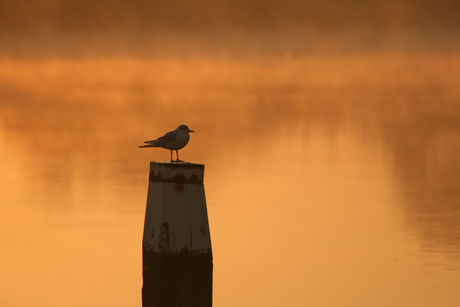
[154, 143]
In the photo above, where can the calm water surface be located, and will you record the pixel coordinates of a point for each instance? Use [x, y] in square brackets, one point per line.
[330, 180]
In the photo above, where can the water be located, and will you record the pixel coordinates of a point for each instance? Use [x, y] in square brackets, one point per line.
[331, 180]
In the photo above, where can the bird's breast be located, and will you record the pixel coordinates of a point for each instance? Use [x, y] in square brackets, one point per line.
[179, 143]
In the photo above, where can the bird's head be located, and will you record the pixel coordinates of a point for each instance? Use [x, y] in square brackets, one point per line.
[184, 128]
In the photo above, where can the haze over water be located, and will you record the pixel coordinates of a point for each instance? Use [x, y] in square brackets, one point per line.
[330, 134]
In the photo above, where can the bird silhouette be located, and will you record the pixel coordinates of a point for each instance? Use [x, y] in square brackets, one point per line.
[173, 140]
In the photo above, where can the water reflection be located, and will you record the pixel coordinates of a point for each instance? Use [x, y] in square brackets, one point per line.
[346, 156]
[426, 156]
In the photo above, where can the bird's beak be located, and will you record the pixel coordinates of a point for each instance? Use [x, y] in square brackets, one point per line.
[190, 130]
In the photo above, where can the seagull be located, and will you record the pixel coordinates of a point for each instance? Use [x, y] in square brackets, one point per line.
[173, 140]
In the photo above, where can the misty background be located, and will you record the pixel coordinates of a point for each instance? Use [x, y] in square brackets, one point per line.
[224, 28]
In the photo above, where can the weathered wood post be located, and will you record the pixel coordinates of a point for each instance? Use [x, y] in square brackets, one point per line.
[177, 255]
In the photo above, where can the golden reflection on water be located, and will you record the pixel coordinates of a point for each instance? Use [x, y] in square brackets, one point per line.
[324, 175]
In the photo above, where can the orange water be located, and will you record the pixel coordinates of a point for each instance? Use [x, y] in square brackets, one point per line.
[331, 180]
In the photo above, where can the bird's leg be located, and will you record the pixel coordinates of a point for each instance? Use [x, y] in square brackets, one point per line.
[171, 156]
[177, 156]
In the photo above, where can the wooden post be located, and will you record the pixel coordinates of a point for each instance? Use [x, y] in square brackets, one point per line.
[177, 254]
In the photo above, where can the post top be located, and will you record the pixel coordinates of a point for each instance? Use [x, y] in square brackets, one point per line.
[176, 172]
[177, 164]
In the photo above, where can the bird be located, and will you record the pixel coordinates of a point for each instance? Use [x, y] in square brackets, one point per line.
[173, 140]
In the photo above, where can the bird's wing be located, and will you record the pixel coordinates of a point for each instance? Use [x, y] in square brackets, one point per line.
[168, 138]
[156, 142]
[163, 140]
